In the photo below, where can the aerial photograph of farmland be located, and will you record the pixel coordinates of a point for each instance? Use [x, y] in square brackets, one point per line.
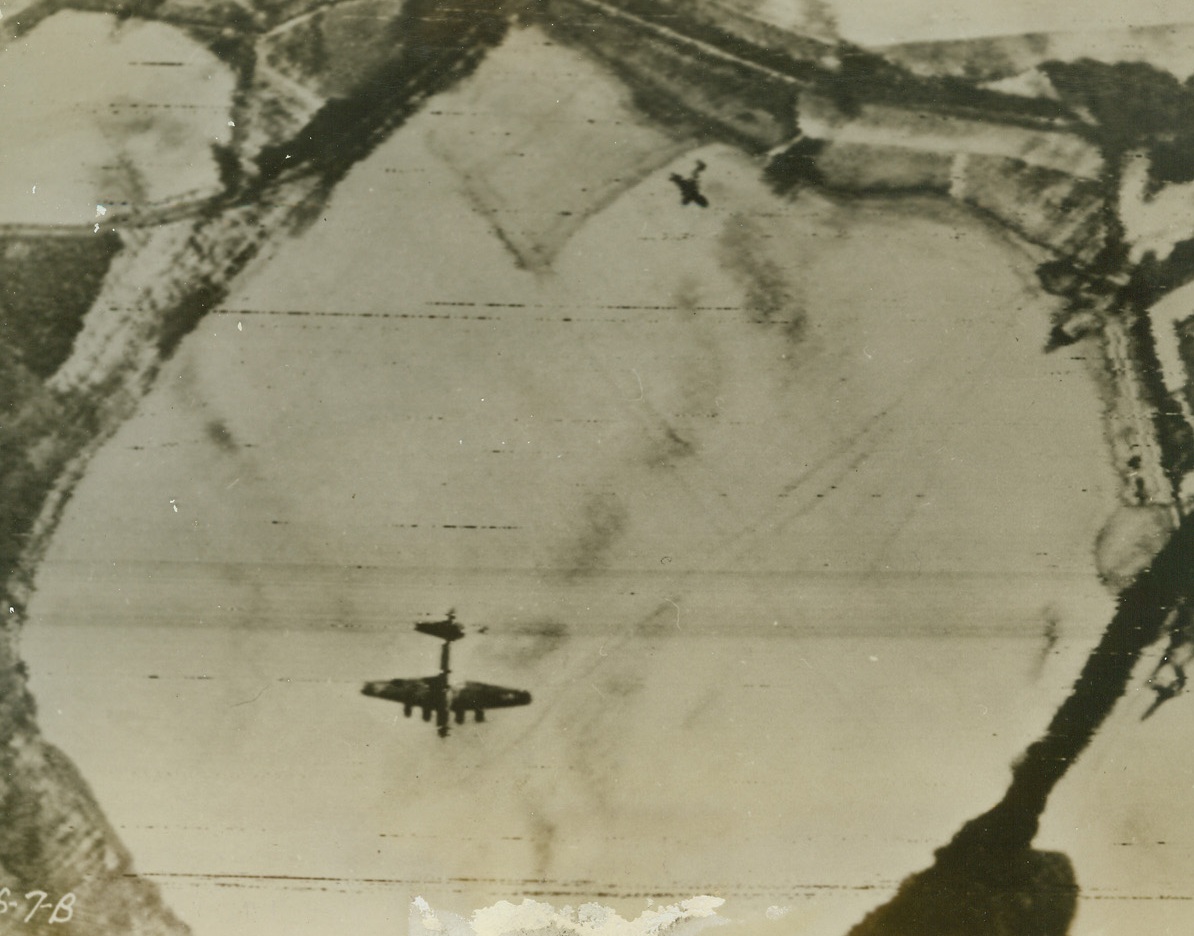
[596, 467]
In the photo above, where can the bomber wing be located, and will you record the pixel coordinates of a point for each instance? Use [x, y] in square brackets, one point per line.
[412, 693]
[476, 697]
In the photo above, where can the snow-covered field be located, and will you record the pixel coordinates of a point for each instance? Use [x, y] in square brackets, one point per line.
[776, 507]
[103, 116]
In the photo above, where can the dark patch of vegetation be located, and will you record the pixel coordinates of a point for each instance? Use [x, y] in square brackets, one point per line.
[234, 46]
[21, 494]
[1061, 277]
[1083, 291]
[239, 52]
[442, 45]
[36, 442]
[1153, 279]
[702, 97]
[690, 23]
[229, 167]
[121, 9]
[1150, 281]
[1132, 104]
[865, 77]
[17, 385]
[795, 166]
[47, 284]
[1174, 434]
[41, 432]
[232, 32]
[182, 318]
[857, 77]
[1185, 343]
[666, 111]
[141, 9]
[1085, 288]
[1172, 160]
[302, 46]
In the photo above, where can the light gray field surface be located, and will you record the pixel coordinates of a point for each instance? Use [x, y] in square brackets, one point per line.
[777, 507]
[782, 591]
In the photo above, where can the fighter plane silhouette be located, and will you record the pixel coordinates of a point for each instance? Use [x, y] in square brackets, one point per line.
[690, 188]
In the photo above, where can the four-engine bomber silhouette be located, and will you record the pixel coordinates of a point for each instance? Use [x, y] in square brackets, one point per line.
[435, 695]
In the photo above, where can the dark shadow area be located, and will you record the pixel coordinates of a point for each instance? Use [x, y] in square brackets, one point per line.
[988, 881]
[974, 893]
